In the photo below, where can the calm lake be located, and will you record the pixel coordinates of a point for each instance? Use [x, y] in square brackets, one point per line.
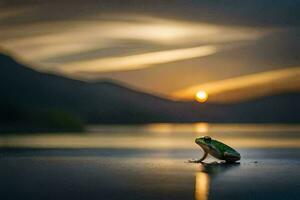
[149, 162]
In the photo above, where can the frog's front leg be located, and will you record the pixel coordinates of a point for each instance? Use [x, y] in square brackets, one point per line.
[199, 160]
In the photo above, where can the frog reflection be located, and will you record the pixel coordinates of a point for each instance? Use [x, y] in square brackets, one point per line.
[205, 176]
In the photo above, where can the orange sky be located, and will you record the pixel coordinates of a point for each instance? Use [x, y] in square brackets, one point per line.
[246, 87]
[173, 52]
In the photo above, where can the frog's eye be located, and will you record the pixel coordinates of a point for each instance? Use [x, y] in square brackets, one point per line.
[207, 139]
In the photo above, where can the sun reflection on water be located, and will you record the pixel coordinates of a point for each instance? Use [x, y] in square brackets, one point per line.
[202, 185]
[162, 136]
[201, 127]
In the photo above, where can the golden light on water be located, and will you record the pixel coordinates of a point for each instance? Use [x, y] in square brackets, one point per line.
[201, 127]
[202, 186]
[201, 96]
[162, 136]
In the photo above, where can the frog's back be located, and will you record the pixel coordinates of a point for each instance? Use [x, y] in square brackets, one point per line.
[223, 147]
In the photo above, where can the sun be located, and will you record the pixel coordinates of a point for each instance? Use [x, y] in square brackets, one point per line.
[201, 96]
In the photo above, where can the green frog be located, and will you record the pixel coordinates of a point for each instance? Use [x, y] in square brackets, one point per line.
[217, 149]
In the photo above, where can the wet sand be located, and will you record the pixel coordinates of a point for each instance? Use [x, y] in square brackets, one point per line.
[270, 173]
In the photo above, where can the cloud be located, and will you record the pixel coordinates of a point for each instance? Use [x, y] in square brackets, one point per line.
[13, 12]
[138, 61]
[108, 39]
[44, 42]
[246, 87]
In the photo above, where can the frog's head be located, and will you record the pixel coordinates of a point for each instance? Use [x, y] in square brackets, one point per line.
[204, 142]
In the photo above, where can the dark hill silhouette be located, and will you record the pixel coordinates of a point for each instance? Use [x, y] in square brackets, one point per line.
[28, 96]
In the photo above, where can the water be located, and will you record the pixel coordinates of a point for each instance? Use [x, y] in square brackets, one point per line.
[148, 162]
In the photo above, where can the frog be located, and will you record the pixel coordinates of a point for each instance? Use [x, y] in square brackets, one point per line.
[216, 149]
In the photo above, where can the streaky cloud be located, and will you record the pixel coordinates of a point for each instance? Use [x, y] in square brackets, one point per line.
[39, 42]
[139, 61]
[246, 87]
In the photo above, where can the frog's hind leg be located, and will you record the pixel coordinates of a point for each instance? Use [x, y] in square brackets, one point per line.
[199, 160]
[231, 157]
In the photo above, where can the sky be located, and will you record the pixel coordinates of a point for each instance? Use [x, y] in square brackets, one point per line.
[232, 49]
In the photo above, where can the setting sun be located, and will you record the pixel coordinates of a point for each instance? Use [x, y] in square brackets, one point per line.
[201, 96]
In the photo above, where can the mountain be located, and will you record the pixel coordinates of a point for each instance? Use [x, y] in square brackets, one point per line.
[25, 92]
[31, 99]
